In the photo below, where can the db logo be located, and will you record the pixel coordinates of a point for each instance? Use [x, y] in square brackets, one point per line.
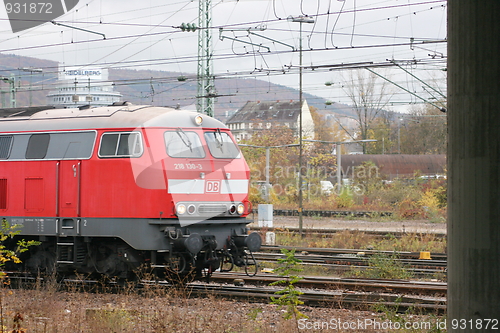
[212, 186]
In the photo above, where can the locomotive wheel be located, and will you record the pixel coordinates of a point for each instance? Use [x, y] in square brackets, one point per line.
[107, 266]
[42, 262]
[181, 269]
[178, 264]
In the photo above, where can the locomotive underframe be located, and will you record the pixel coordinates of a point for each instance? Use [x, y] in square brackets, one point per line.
[120, 246]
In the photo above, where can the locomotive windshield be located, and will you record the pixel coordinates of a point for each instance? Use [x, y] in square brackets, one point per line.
[221, 145]
[182, 144]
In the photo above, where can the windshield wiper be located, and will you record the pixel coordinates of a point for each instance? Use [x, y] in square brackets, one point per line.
[187, 142]
[219, 141]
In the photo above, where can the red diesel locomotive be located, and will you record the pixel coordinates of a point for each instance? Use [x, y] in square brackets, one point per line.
[108, 189]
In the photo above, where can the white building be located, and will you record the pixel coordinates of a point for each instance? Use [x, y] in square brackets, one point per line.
[78, 86]
[255, 116]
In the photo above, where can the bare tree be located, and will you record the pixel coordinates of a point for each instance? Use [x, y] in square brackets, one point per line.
[369, 95]
[424, 131]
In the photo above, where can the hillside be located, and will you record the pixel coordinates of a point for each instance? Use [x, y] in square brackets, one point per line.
[152, 87]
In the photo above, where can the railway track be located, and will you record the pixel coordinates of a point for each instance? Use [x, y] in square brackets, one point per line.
[348, 259]
[330, 231]
[329, 298]
[351, 284]
[333, 251]
[327, 213]
[317, 291]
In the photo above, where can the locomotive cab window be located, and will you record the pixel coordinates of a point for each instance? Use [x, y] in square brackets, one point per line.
[121, 145]
[221, 145]
[183, 144]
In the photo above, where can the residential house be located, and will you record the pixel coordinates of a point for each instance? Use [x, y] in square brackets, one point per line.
[257, 116]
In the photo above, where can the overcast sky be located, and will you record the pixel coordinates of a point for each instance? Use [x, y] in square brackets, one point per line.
[145, 35]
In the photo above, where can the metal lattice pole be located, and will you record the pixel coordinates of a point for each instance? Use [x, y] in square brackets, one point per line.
[206, 85]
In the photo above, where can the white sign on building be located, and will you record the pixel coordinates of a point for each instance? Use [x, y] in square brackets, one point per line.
[78, 73]
[79, 86]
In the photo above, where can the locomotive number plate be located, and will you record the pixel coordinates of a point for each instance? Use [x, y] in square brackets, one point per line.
[212, 186]
[188, 166]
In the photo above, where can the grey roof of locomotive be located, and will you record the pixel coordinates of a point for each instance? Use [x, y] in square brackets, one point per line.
[127, 116]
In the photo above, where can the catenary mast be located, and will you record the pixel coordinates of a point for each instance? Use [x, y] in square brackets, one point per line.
[205, 78]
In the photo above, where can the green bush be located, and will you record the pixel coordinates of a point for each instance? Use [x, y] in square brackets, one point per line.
[288, 268]
[382, 266]
[345, 199]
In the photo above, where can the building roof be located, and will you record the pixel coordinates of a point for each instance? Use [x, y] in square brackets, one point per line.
[397, 165]
[267, 112]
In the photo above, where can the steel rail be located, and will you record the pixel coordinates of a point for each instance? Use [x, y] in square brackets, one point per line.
[334, 251]
[321, 298]
[328, 213]
[329, 231]
[353, 284]
[357, 293]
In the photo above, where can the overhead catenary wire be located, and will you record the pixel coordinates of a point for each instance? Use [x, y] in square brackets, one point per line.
[226, 75]
[276, 53]
[232, 25]
[223, 57]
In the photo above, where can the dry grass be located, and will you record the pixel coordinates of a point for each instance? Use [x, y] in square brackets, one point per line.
[413, 242]
[46, 310]
[352, 239]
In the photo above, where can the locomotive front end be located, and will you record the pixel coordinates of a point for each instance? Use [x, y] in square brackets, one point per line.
[207, 182]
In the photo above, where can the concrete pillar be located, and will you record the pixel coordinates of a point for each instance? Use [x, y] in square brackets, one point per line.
[473, 163]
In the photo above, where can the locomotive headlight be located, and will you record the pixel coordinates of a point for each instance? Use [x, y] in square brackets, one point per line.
[241, 208]
[191, 209]
[198, 120]
[181, 209]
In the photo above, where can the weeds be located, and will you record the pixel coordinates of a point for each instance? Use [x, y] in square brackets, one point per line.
[17, 324]
[45, 309]
[287, 269]
[352, 239]
[306, 270]
[81, 312]
[382, 266]
[412, 242]
[114, 319]
[409, 198]
[406, 320]
[255, 313]
[11, 255]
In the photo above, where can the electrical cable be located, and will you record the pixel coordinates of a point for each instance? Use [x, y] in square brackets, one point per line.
[335, 24]
[353, 22]
[268, 71]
